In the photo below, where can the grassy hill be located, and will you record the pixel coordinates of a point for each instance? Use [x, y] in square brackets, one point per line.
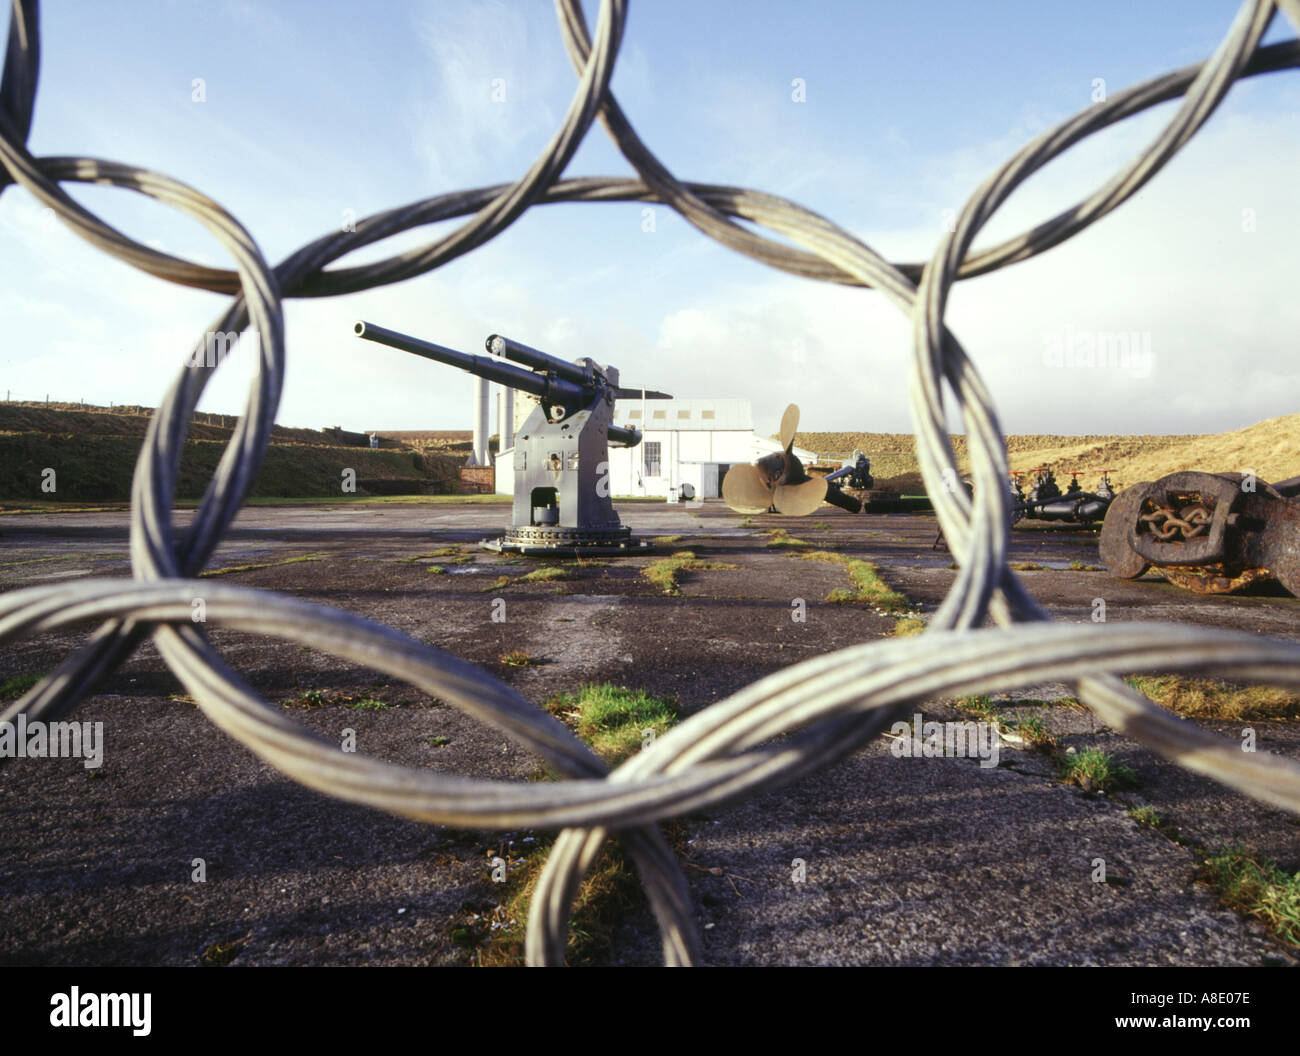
[93, 452]
[1271, 448]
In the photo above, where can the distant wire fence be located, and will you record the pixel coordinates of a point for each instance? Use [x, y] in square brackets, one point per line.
[768, 734]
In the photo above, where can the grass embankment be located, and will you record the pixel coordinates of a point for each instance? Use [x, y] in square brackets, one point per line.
[1270, 448]
[93, 457]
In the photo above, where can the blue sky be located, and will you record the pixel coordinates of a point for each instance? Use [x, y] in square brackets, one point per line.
[314, 109]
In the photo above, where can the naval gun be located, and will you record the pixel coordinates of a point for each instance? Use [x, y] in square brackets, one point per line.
[562, 503]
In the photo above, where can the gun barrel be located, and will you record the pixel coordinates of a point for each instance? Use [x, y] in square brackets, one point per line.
[625, 437]
[510, 349]
[549, 390]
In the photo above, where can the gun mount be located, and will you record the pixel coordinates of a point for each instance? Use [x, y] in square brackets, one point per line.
[562, 502]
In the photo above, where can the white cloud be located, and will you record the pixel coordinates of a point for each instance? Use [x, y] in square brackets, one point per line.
[1174, 265]
[492, 85]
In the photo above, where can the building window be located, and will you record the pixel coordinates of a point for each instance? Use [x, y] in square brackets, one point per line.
[651, 449]
[706, 414]
[660, 414]
[634, 414]
[683, 414]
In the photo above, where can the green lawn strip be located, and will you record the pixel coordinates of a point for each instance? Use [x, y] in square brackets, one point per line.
[867, 588]
[616, 722]
[447, 555]
[1213, 699]
[546, 574]
[490, 499]
[663, 573]
[15, 686]
[780, 539]
[231, 569]
[320, 698]
[38, 560]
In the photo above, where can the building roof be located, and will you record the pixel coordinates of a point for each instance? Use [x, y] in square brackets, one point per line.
[681, 415]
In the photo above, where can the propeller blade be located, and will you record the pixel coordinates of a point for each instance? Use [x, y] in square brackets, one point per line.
[789, 425]
[745, 489]
[799, 500]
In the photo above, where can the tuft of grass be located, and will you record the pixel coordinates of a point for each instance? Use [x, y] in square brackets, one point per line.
[613, 720]
[1035, 731]
[16, 685]
[497, 584]
[748, 522]
[1213, 699]
[435, 570]
[311, 698]
[906, 626]
[867, 586]
[1026, 566]
[666, 540]
[783, 540]
[1257, 888]
[546, 574]
[663, 573]
[367, 704]
[517, 658]
[319, 698]
[1079, 566]
[1095, 771]
[868, 589]
[449, 555]
[220, 954]
[230, 569]
[821, 526]
[1150, 817]
[439, 742]
[981, 705]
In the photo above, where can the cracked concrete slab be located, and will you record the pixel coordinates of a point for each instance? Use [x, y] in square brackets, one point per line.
[905, 861]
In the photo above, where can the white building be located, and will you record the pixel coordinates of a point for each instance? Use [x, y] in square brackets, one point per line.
[690, 442]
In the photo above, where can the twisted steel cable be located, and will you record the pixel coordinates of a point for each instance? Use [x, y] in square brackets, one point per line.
[775, 731]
